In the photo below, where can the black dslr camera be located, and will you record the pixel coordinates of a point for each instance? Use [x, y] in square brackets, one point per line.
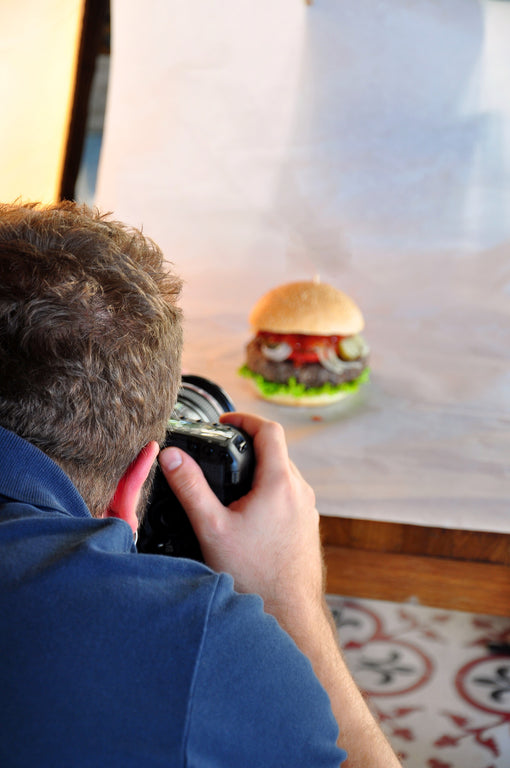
[225, 455]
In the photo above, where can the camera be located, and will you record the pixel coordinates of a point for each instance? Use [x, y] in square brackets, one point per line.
[226, 457]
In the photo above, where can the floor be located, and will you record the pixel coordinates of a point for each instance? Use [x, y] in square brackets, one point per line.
[434, 678]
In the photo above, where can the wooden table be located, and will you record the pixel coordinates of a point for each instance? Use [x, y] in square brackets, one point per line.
[451, 569]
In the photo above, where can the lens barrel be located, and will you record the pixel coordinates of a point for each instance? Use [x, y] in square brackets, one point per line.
[200, 399]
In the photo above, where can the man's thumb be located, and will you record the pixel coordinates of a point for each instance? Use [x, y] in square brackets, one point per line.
[187, 481]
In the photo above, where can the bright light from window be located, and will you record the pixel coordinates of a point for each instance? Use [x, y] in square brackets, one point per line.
[39, 42]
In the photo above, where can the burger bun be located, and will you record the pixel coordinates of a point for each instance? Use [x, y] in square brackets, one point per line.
[304, 401]
[307, 307]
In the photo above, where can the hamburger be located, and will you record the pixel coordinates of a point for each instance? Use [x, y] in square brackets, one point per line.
[307, 348]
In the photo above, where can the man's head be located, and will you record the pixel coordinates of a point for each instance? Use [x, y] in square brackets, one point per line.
[90, 341]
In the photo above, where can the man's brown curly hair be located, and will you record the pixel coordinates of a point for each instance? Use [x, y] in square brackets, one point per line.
[90, 340]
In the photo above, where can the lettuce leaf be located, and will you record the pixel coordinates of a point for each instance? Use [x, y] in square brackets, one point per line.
[291, 387]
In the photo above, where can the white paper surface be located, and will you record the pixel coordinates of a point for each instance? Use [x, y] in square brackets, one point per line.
[369, 143]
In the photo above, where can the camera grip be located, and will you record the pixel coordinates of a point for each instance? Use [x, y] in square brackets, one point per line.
[166, 529]
[225, 455]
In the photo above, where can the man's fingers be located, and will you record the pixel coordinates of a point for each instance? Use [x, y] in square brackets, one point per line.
[268, 441]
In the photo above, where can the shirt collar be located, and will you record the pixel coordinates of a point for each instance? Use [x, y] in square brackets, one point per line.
[29, 475]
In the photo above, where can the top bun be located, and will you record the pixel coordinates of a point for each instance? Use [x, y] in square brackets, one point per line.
[308, 307]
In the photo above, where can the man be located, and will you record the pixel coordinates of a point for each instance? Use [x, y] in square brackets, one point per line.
[110, 657]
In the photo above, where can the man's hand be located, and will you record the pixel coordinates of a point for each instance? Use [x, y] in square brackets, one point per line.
[269, 539]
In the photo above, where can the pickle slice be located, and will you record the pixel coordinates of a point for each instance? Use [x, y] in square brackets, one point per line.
[352, 347]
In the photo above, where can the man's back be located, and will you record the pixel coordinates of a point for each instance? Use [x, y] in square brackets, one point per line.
[113, 658]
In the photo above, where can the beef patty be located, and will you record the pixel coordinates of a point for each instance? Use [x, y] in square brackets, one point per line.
[309, 374]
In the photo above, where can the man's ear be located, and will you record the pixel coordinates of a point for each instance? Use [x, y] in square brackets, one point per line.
[126, 498]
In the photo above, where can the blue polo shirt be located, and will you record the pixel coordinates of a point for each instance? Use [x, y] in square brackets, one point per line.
[113, 658]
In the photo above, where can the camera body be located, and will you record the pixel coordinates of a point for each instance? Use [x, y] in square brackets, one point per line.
[226, 457]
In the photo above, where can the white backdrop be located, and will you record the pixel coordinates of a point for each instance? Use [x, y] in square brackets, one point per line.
[368, 142]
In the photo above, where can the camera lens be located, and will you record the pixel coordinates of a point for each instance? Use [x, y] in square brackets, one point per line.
[201, 400]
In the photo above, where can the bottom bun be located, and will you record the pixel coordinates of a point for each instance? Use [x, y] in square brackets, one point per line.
[305, 401]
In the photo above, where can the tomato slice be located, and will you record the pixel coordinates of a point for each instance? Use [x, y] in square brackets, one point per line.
[303, 345]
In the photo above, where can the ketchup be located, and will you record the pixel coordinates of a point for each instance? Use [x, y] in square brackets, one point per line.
[302, 344]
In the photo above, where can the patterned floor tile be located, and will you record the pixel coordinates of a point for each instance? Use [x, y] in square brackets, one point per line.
[439, 681]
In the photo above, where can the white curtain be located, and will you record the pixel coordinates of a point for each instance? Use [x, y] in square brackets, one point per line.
[369, 143]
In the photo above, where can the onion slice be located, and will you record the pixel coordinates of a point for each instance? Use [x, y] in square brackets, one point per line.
[330, 360]
[277, 353]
